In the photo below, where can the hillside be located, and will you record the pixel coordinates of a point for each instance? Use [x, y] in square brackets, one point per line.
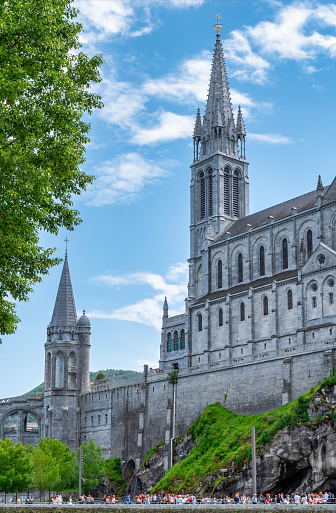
[293, 449]
[116, 378]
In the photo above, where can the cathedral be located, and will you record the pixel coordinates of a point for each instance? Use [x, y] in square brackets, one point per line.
[259, 323]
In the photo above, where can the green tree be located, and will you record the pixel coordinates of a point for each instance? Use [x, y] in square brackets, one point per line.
[65, 460]
[93, 465]
[45, 469]
[14, 467]
[44, 93]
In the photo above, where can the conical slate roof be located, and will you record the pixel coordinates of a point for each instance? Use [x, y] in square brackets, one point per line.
[64, 313]
[219, 93]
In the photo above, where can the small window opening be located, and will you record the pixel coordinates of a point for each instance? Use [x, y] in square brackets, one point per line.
[314, 302]
[265, 345]
[313, 335]
[265, 305]
[242, 312]
[220, 317]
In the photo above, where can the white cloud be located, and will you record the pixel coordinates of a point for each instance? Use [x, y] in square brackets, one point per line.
[188, 83]
[170, 127]
[294, 35]
[251, 66]
[104, 19]
[148, 311]
[122, 179]
[270, 138]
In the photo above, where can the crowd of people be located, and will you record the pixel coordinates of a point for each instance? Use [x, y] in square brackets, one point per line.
[281, 498]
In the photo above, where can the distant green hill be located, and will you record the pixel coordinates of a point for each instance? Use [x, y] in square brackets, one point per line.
[116, 378]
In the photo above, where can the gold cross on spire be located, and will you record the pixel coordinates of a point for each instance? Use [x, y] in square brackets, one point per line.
[218, 26]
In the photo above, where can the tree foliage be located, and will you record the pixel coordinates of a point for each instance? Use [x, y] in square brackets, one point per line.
[14, 467]
[64, 459]
[45, 474]
[93, 465]
[44, 93]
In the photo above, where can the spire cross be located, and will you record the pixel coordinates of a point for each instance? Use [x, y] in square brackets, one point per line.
[218, 26]
[66, 240]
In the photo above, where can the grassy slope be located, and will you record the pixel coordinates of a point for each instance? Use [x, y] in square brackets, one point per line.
[119, 377]
[221, 437]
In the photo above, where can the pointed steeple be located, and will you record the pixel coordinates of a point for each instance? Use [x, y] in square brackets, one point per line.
[319, 184]
[240, 123]
[219, 100]
[64, 313]
[165, 308]
[198, 125]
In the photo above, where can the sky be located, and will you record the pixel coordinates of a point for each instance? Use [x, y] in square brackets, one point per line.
[131, 249]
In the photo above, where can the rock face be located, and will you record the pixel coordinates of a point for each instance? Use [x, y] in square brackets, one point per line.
[298, 458]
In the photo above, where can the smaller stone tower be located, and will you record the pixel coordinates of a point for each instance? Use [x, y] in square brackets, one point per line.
[67, 359]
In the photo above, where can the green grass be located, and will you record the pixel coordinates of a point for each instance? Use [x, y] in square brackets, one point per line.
[152, 451]
[222, 437]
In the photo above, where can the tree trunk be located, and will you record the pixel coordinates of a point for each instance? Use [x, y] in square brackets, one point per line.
[5, 496]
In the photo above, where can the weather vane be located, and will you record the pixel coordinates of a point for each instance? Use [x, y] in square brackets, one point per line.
[218, 26]
[66, 240]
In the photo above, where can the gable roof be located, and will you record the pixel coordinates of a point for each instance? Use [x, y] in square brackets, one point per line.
[280, 211]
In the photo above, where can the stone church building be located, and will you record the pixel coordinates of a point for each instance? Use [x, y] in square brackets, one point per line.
[259, 322]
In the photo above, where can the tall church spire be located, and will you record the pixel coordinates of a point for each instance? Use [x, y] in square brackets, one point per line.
[219, 132]
[64, 313]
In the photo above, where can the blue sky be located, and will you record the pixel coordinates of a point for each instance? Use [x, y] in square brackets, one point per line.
[131, 249]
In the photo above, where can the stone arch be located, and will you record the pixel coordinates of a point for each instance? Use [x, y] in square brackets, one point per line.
[26, 425]
[59, 369]
[313, 299]
[235, 277]
[309, 224]
[278, 249]
[260, 241]
[219, 256]
[72, 369]
[329, 295]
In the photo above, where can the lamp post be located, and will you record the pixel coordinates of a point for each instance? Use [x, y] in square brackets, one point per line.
[254, 466]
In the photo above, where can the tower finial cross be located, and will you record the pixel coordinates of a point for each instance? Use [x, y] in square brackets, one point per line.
[66, 240]
[217, 25]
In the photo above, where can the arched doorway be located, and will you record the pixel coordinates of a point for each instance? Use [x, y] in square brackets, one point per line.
[22, 426]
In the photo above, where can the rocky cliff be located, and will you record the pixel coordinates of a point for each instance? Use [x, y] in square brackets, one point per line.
[296, 450]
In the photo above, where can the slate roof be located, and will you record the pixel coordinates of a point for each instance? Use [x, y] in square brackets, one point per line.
[64, 313]
[241, 287]
[280, 211]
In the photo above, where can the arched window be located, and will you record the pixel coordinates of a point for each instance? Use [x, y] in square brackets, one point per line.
[219, 274]
[226, 192]
[284, 253]
[235, 193]
[309, 243]
[182, 340]
[72, 370]
[242, 312]
[176, 341]
[48, 371]
[261, 261]
[59, 371]
[210, 193]
[240, 268]
[199, 316]
[265, 305]
[202, 198]
[169, 343]
[289, 300]
[220, 317]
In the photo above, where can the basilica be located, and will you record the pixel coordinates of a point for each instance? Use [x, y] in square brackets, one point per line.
[259, 326]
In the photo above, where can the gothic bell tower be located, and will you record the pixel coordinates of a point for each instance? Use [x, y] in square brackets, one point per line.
[219, 189]
[67, 358]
